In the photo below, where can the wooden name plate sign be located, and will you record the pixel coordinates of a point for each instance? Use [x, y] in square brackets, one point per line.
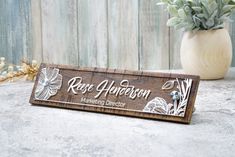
[162, 96]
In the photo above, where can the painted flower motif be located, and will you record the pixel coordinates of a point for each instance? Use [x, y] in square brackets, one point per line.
[49, 83]
[158, 105]
[179, 98]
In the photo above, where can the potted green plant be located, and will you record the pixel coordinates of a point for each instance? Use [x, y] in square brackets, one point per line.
[206, 48]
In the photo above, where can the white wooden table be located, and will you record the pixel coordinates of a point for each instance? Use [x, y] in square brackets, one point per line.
[33, 131]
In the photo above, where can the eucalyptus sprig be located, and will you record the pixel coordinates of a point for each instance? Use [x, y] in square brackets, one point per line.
[193, 15]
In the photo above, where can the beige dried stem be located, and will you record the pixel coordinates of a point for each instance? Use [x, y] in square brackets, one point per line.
[29, 71]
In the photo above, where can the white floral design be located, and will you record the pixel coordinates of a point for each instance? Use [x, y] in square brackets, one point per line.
[179, 98]
[158, 105]
[49, 82]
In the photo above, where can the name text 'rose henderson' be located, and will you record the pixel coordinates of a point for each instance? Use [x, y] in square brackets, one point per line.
[107, 87]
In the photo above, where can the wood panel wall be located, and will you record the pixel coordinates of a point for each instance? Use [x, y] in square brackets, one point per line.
[126, 34]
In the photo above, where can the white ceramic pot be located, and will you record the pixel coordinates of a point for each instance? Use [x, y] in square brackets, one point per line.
[206, 53]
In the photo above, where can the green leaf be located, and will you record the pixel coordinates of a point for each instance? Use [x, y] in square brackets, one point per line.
[197, 9]
[218, 26]
[182, 13]
[227, 8]
[205, 12]
[173, 21]
[196, 20]
[211, 21]
[181, 25]
[225, 1]
[172, 10]
[199, 14]
[212, 7]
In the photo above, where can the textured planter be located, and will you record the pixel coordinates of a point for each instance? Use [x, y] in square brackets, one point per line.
[206, 53]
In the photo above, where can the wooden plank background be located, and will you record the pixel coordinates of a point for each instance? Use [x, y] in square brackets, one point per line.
[125, 34]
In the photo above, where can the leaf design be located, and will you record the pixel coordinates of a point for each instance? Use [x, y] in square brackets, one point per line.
[168, 85]
[183, 88]
[159, 105]
[171, 109]
[181, 108]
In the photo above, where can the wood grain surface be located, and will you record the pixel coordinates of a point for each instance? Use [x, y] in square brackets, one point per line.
[92, 33]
